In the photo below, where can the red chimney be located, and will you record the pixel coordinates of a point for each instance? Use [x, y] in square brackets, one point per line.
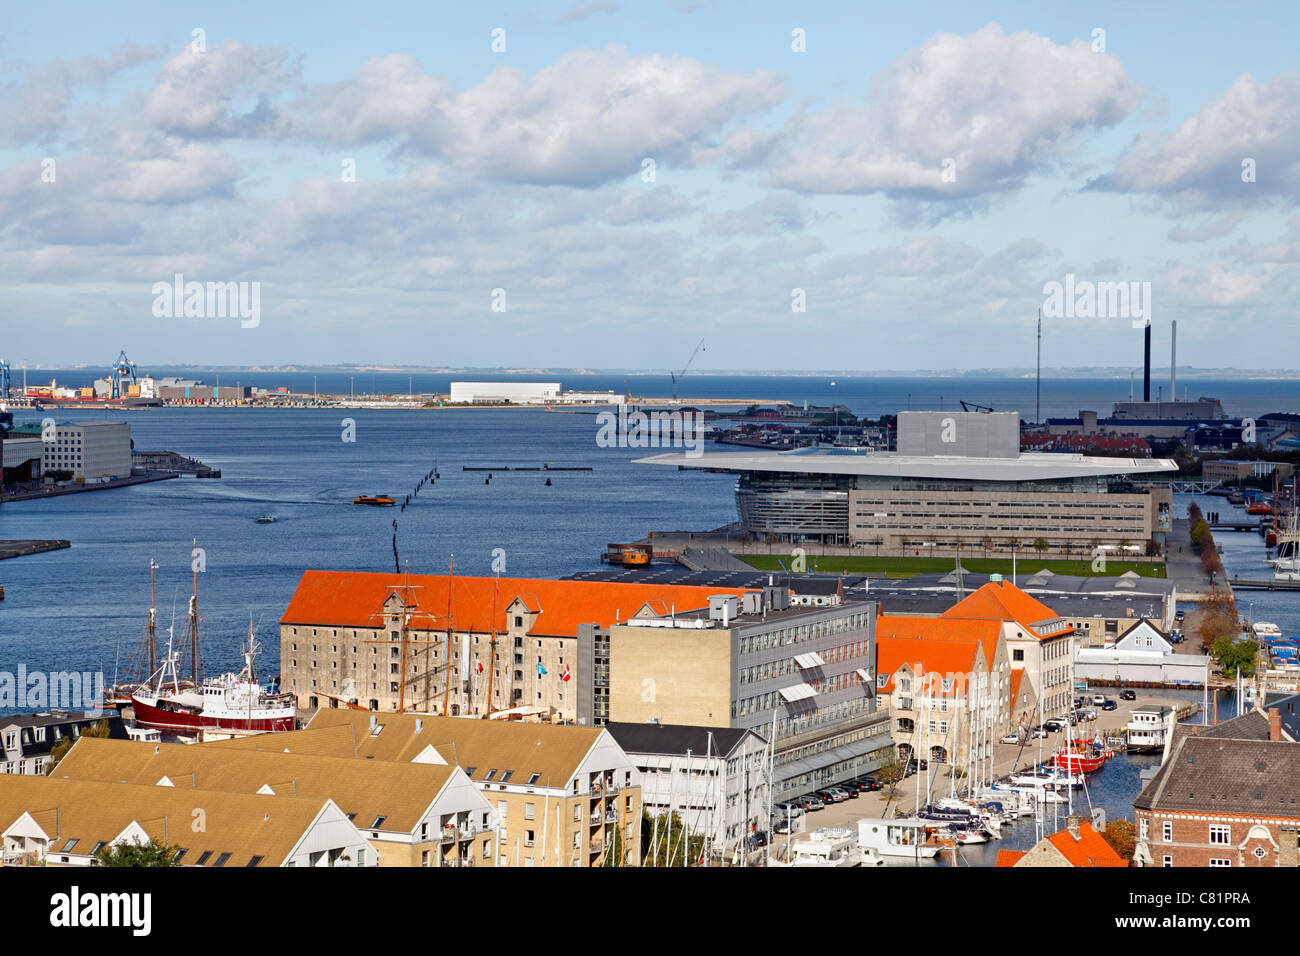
[1274, 724]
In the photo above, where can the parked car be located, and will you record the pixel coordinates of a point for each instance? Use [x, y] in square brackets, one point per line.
[1180, 615]
[757, 838]
[1098, 699]
[871, 784]
[855, 786]
[1054, 725]
[813, 802]
[785, 826]
[912, 766]
[1078, 703]
[1109, 705]
[1009, 739]
[828, 795]
[1037, 732]
[793, 810]
[1128, 695]
[1090, 714]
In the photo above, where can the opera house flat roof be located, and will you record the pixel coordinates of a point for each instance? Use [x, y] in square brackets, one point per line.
[1030, 466]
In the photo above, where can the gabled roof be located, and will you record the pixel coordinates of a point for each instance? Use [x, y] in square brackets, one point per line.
[934, 657]
[1003, 601]
[401, 794]
[1009, 857]
[1089, 848]
[942, 629]
[95, 811]
[677, 739]
[554, 751]
[355, 598]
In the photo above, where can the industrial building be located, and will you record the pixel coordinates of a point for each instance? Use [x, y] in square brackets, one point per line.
[89, 450]
[958, 484]
[801, 676]
[525, 393]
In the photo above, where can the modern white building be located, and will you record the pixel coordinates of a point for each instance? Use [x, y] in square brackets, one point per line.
[714, 778]
[494, 393]
[90, 450]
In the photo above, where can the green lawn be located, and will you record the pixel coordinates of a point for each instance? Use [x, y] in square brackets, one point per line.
[907, 567]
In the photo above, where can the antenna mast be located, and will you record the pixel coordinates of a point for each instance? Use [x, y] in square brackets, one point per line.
[1038, 379]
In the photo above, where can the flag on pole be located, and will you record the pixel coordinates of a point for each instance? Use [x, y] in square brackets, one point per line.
[153, 565]
[541, 671]
[565, 675]
[480, 666]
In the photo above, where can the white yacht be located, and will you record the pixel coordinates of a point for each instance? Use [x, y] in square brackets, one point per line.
[827, 847]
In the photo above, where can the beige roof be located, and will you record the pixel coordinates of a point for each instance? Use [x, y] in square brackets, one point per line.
[92, 812]
[402, 793]
[554, 751]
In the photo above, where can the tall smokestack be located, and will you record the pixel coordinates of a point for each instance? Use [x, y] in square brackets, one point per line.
[1146, 365]
[1173, 360]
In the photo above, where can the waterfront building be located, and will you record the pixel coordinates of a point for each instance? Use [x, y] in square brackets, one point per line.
[496, 393]
[948, 684]
[958, 484]
[1227, 471]
[411, 814]
[459, 645]
[27, 739]
[563, 795]
[55, 821]
[1080, 845]
[713, 778]
[90, 450]
[1037, 638]
[1143, 654]
[803, 674]
[1225, 796]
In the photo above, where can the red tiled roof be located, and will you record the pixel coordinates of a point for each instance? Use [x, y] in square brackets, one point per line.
[1003, 601]
[1009, 857]
[942, 629]
[355, 599]
[1090, 849]
[941, 657]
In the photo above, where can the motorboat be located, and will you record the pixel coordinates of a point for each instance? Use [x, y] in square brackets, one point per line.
[827, 847]
[265, 519]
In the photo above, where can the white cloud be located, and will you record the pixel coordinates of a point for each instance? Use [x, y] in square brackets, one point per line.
[229, 90]
[1000, 106]
[1203, 158]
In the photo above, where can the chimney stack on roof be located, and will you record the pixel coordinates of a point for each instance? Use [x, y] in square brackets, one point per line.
[1274, 724]
[1072, 824]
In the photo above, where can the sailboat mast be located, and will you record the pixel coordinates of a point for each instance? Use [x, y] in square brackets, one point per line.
[451, 591]
[153, 618]
[194, 618]
[492, 659]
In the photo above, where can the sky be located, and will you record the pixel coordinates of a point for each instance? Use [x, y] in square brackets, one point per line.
[604, 184]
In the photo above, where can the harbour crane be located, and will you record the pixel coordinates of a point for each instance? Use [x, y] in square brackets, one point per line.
[122, 369]
[682, 374]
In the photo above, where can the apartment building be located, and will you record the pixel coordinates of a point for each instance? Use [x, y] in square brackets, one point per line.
[55, 821]
[412, 814]
[715, 779]
[803, 676]
[1225, 796]
[561, 795]
[459, 646]
[27, 739]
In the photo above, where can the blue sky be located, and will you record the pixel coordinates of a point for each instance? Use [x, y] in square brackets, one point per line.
[914, 176]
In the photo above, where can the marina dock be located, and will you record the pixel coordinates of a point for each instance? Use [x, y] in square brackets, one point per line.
[17, 549]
